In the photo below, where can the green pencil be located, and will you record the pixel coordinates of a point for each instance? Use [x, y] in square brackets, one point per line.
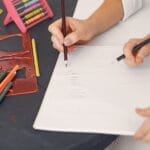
[6, 90]
[3, 75]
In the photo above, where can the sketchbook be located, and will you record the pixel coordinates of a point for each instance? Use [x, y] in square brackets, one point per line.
[95, 93]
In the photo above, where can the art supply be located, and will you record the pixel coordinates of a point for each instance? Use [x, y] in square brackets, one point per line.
[6, 90]
[29, 14]
[35, 18]
[135, 49]
[21, 2]
[28, 10]
[26, 5]
[1, 11]
[64, 30]
[33, 13]
[3, 75]
[8, 78]
[36, 64]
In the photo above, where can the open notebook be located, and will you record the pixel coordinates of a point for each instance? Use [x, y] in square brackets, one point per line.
[95, 93]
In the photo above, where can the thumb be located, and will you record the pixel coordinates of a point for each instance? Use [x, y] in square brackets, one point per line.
[145, 112]
[71, 39]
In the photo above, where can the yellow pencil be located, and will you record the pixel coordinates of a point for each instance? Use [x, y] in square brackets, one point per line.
[36, 64]
[1, 11]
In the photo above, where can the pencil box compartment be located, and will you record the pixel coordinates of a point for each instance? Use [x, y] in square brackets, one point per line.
[25, 81]
[17, 16]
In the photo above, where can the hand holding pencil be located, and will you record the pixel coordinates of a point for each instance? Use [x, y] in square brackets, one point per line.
[132, 59]
[77, 33]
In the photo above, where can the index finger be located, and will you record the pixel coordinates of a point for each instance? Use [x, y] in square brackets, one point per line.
[55, 29]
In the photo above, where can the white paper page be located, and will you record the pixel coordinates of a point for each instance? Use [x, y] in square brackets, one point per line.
[136, 26]
[95, 93]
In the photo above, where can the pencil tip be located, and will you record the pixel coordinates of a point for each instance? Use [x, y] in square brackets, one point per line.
[66, 63]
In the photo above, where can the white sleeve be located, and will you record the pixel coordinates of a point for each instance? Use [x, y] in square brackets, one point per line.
[130, 7]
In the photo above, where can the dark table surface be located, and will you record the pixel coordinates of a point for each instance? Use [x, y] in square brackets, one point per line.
[18, 113]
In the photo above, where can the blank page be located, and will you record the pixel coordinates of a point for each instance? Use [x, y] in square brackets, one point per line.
[95, 93]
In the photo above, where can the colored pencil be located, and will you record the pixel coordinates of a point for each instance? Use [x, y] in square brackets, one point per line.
[6, 90]
[8, 78]
[3, 75]
[36, 64]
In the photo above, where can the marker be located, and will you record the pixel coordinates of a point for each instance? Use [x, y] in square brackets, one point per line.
[35, 56]
[8, 78]
[6, 90]
[1, 11]
[135, 49]
[3, 75]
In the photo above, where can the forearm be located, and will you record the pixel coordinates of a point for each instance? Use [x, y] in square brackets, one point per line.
[109, 14]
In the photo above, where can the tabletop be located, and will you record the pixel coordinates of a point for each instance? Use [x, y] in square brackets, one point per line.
[18, 113]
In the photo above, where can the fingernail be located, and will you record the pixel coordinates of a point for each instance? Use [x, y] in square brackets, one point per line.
[68, 42]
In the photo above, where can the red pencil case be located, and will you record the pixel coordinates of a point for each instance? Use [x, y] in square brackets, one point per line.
[27, 13]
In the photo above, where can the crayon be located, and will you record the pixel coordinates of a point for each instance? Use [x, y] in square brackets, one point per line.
[35, 56]
[6, 90]
[8, 78]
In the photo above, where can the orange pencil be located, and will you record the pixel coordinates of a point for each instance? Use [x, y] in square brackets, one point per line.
[8, 78]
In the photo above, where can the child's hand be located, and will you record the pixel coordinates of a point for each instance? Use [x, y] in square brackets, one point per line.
[139, 57]
[144, 132]
[79, 32]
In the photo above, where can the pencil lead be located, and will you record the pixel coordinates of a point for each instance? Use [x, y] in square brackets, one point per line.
[66, 63]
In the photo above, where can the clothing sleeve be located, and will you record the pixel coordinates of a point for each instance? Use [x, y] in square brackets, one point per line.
[130, 7]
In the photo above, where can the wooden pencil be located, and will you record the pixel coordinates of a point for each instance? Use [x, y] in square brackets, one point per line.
[64, 30]
[136, 48]
[8, 78]
[35, 56]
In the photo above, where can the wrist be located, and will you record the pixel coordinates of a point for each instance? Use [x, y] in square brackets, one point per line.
[93, 28]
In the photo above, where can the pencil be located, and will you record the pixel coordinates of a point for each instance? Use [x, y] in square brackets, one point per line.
[6, 90]
[135, 49]
[36, 64]
[8, 78]
[64, 30]
[1, 11]
[3, 75]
